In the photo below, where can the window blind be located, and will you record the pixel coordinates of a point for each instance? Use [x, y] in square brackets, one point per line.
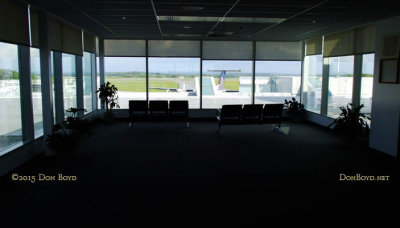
[339, 44]
[182, 48]
[314, 46]
[278, 50]
[124, 48]
[89, 42]
[228, 50]
[14, 22]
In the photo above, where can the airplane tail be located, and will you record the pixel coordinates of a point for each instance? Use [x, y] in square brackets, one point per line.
[221, 81]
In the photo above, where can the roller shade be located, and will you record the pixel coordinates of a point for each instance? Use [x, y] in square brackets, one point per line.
[182, 48]
[64, 37]
[34, 27]
[278, 51]
[72, 40]
[89, 42]
[124, 48]
[314, 46]
[364, 40]
[55, 34]
[97, 46]
[227, 50]
[339, 44]
[14, 22]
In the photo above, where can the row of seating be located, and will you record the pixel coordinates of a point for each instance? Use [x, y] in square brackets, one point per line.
[141, 109]
[250, 113]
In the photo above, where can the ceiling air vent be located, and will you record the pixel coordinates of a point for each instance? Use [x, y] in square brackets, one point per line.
[219, 34]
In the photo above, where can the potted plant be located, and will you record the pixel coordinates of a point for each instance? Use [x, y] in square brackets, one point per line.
[64, 140]
[108, 95]
[294, 109]
[352, 124]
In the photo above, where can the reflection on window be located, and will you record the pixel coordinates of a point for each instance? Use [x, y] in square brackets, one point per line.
[10, 111]
[69, 82]
[36, 92]
[340, 83]
[128, 74]
[175, 79]
[367, 82]
[276, 81]
[226, 82]
[312, 87]
[87, 82]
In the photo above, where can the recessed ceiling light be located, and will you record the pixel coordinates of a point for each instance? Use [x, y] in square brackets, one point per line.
[193, 8]
[314, 21]
[123, 18]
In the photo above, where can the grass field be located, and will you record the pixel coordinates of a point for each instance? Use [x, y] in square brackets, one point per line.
[231, 84]
[132, 84]
[136, 84]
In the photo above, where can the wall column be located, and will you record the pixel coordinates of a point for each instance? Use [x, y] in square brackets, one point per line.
[357, 79]
[58, 87]
[45, 72]
[25, 80]
[79, 84]
[325, 87]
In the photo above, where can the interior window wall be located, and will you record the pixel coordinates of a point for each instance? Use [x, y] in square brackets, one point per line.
[367, 81]
[276, 81]
[10, 111]
[226, 82]
[175, 79]
[69, 82]
[87, 81]
[128, 74]
[312, 83]
[340, 83]
[36, 92]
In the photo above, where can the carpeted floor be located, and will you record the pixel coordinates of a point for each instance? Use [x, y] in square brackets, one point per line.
[162, 174]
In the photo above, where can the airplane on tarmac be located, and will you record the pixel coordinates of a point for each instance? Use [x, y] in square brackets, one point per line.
[222, 78]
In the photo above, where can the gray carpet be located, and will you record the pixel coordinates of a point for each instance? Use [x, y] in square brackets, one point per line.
[164, 174]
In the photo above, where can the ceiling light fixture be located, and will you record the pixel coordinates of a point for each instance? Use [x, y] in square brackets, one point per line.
[123, 18]
[187, 27]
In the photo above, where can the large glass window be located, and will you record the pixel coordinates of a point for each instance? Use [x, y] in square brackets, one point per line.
[226, 82]
[367, 81]
[10, 103]
[175, 79]
[276, 81]
[36, 92]
[87, 82]
[128, 74]
[69, 81]
[340, 83]
[312, 83]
